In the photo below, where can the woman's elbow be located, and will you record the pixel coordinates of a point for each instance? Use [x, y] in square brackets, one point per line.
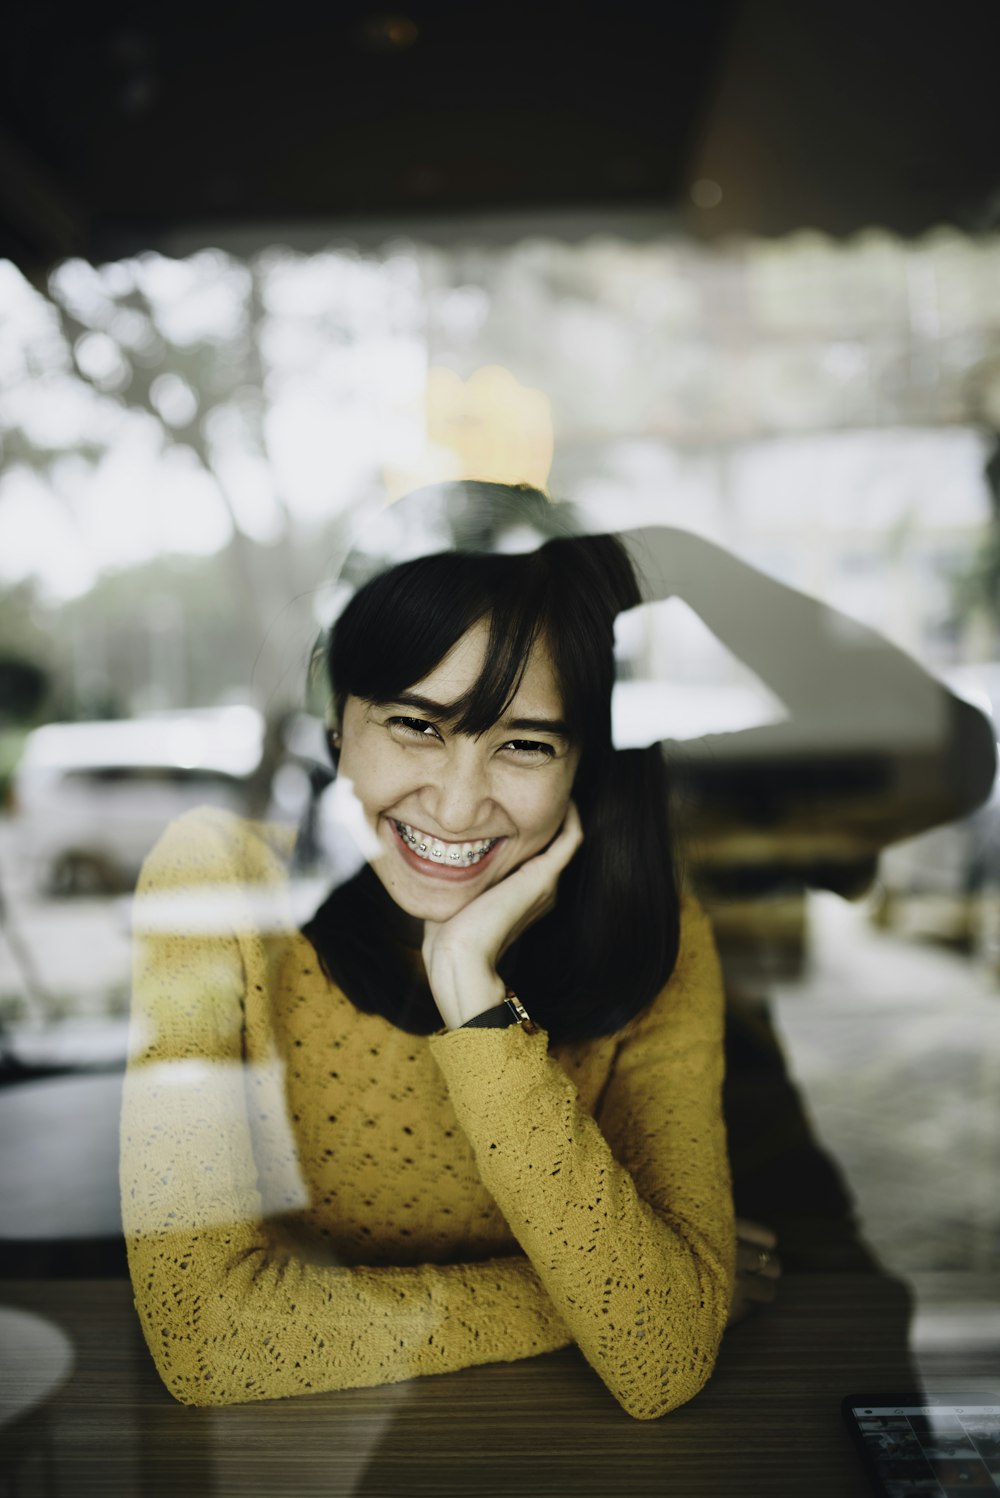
[664, 1371]
[191, 1376]
[674, 1385]
[207, 1383]
[200, 1394]
[202, 1361]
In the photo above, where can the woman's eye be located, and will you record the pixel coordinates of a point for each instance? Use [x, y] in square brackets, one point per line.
[415, 728]
[530, 749]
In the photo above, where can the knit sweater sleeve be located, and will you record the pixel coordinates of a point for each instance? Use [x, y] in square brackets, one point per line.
[628, 1218]
[231, 1307]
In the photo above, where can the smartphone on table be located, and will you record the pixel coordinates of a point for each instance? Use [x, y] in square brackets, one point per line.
[922, 1445]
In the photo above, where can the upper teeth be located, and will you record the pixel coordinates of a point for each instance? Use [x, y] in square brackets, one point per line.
[437, 851]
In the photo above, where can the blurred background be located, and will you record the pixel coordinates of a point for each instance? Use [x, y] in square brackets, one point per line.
[732, 267]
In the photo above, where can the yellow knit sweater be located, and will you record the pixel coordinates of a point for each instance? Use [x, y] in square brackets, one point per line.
[314, 1199]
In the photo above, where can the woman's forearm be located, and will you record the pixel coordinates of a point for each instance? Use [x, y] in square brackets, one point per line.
[634, 1244]
[233, 1315]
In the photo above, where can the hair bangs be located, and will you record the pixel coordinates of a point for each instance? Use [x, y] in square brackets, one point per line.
[397, 629]
[514, 626]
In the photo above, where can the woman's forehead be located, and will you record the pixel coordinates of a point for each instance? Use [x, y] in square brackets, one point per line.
[455, 676]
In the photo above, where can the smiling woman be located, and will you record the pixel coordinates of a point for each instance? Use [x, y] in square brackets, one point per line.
[436, 669]
[470, 1111]
[459, 810]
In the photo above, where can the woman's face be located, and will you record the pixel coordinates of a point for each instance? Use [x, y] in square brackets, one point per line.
[457, 814]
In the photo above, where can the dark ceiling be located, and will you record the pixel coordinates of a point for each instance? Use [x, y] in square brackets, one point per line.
[122, 124]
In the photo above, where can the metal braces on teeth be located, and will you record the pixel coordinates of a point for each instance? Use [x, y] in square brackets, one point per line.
[452, 856]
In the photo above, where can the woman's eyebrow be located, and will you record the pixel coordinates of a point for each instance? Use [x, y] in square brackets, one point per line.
[554, 726]
[442, 711]
[422, 704]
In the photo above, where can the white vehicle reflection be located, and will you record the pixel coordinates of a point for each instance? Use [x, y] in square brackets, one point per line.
[88, 800]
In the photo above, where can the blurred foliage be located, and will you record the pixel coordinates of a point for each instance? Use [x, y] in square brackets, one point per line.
[25, 626]
[11, 740]
[23, 686]
[977, 586]
[163, 634]
[289, 388]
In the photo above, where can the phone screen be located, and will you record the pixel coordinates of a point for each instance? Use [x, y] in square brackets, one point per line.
[929, 1445]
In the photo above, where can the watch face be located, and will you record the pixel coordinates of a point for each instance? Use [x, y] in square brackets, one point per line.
[520, 1014]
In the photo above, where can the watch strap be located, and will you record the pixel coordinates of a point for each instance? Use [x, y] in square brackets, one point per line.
[509, 1012]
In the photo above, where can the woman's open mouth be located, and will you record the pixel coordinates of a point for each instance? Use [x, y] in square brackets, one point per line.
[440, 859]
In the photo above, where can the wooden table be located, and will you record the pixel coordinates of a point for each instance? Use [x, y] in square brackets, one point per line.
[767, 1425]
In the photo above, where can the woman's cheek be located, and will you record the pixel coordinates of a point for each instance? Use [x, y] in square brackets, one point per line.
[381, 778]
[547, 813]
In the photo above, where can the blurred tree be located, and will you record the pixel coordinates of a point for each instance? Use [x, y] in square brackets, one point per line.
[133, 347]
[178, 345]
[25, 627]
[23, 686]
[977, 586]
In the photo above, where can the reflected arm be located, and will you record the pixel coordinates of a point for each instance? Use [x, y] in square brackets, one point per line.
[847, 689]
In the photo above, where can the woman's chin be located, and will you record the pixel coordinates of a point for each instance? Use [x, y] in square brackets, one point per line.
[438, 903]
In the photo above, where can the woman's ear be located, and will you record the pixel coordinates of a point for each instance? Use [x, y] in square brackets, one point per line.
[333, 743]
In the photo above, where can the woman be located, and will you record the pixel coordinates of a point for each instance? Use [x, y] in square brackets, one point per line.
[471, 1110]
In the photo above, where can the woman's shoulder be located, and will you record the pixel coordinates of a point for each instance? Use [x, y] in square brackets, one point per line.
[697, 940]
[211, 846]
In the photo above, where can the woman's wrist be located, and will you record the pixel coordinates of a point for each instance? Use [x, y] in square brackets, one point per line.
[463, 988]
[504, 1016]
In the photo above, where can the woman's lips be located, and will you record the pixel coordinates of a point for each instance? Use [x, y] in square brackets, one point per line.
[453, 873]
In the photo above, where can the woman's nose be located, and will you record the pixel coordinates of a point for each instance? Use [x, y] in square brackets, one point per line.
[458, 798]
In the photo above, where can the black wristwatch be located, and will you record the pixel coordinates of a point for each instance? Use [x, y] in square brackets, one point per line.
[510, 1012]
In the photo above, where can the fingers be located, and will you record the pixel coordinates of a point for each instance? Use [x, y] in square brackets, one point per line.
[748, 1231]
[756, 1290]
[768, 1276]
[572, 822]
[750, 1292]
[760, 1262]
[748, 1296]
[543, 869]
[567, 839]
[758, 1267]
